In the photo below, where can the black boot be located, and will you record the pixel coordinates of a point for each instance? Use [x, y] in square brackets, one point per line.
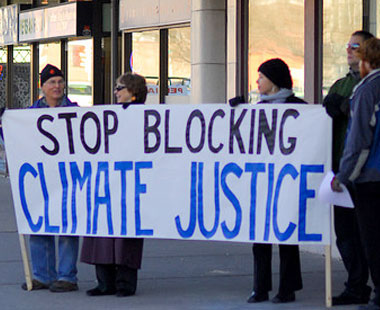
[126, 281]
[352, 297]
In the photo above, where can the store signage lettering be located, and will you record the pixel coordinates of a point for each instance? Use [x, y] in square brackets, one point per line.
[9, 25]
[145, 13]
[31, 25]
[172, 90]
[62, 20]
[184, 171]
[48, 23]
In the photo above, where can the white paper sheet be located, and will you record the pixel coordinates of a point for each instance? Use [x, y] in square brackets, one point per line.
[325, 193]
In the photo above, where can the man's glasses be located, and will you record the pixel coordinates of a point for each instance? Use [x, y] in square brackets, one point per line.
[353, 46]
[53, 83]
[119, 87]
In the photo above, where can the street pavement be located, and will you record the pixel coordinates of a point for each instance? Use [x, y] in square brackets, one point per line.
[175, 274]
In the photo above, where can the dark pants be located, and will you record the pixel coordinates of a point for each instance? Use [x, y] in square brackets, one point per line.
[290, 268]
[367, 204]
[350, 248]
[116, 277]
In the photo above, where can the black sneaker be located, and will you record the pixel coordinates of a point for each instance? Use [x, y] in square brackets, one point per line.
[63, 286]
[283, 298]
[351, 297]
[36, 285]
[258, 297]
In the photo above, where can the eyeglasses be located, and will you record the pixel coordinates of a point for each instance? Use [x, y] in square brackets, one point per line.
[119, 87]
[53, 83]
[353, 46]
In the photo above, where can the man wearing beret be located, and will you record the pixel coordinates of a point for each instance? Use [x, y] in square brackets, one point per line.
[345, 221]
[42, 247]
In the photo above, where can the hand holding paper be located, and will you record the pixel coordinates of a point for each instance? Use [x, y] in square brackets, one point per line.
[325, 193]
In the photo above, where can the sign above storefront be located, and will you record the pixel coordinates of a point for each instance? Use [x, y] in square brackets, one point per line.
[153, 13]
[9, 24]
[54, 22]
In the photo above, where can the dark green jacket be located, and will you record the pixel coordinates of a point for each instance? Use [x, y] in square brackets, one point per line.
[343, 87]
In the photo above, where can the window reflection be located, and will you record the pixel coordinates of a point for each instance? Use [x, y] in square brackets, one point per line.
[340, 20]
[272, 37]
[49, 53]
[80, 72]
[145, 61]
[21, 76]
[3, 82]
[179, 66]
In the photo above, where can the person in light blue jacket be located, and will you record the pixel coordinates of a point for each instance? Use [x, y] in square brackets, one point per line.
[360, 164]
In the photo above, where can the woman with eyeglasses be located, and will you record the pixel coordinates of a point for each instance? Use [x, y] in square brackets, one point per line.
[275, 86]
[117, 260]
[130, 89]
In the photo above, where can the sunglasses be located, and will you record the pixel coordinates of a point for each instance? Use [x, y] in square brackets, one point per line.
[119, 87]
[353, 46]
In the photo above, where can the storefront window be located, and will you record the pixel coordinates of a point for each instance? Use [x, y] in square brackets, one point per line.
[145, 60]
[272, 37]
[49, 53]
[107, 88]
[80, 72]
[21, 76]
[3, 82]
[179, 66]
[340, 20]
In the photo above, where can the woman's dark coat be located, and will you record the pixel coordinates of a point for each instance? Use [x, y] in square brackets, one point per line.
[119, 251]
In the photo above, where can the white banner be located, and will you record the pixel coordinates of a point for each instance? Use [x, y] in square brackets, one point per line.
[205, 172]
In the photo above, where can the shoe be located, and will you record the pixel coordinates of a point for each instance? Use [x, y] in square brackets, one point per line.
[100, 292]
[370, 306]
[36, 285]
[351, 297]
[63, 286]
[124, 293]
[258, 297]
[283, 298]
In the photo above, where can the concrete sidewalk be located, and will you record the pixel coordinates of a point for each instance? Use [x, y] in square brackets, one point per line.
[175, 275]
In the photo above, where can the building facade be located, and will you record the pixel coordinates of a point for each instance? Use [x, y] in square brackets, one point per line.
[190, 51]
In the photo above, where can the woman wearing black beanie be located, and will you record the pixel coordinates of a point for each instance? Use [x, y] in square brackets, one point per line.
[275, 86]
[275, 83]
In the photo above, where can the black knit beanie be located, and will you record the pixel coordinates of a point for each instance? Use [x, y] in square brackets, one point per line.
[278, 72]
[48, 72]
